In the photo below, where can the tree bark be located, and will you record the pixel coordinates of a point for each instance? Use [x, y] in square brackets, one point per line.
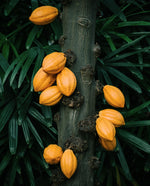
[79, 18]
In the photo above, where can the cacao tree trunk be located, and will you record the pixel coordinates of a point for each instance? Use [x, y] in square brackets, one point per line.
[79, 36]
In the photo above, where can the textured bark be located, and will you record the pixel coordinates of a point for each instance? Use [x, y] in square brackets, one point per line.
[79, 36]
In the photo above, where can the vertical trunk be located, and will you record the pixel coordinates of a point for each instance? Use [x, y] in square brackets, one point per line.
[79, 33]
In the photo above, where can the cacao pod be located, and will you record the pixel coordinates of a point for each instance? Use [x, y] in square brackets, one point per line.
[108, 145]
[52, 154]
[68, 163]
[105, 129]
[43, 15]
[50, 96]
[114, 96]
[66, 81]
[54, 62]
[112, 115]
[42, 80]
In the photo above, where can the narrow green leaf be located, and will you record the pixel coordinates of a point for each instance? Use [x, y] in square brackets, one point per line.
[38, 116]
[12, 173]
[29, 171]
[137, 109]
[14, 49]
[106, 77]
[141, 123]
[1, 86]
[3, 63]
[6, 113]
[122, 36]
[127, 64]
[110, 42]
[10, 6]
[122, 77]
[123, 47]
[135, 71]
[13, 134]
[5, 50]
[31, 56]
[123, 162]
[57, 28]
[31, 36]
[4, 162]
[20, 61]
[133, 23]
[135, 141]
[26, 131]
[34, 132]
[47, 112]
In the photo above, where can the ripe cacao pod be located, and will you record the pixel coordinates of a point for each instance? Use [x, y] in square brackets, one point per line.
[43, 15]
[42, 80]
[68, 163]
[50, 96]
[54, 62]
[105, 129]
[108, 145]
[66, 81]
[112, 115]
[52, 154]
[114, 96]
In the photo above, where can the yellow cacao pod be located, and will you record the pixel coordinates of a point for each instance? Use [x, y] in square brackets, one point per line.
[42, 80]
[114, 96]
[112, 115]
[50, 96]
[43, 15]
[68, 163]
[66, 81]
[54, 62]
[105, 129]
[52, 154]
[108, 145]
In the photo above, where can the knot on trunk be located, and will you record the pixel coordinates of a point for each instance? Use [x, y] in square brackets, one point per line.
[76, 144]
[71, 57]
[88, 124]
[73, 101]
[94, 162]
[84, 22]
[87, 74]
[99, 87]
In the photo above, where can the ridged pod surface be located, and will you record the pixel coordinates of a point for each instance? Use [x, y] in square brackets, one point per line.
[112, 115]
[108, 145]
[42, 80]
[43, 15]
[105, 129]
[66, 81]
[50, 96]
[114, 96]
[52, 154]
[53, 63]
[68, 163]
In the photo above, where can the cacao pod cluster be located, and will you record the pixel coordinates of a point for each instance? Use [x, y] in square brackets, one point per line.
[109, 119]
[53, 70]
[53, 154]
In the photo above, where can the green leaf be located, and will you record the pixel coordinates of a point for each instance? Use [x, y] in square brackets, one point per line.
[26, 131]
[13, 134]
[106, 77]
[34, 132]
[29, 171]
[1, 86]
[137, 109]
[20, 62]
[122, 36]
[47, 112]
[6, 113]
[134, 23]
[3, 63]
[135, 141]
[4, 162]
[10, 6]
[31, 56]
[122, 77]
[5, 50]
[141, 123]
[123, 162]
[38, 116]
[31, 36]
[110, 42]
[12, 173]
[123, 47]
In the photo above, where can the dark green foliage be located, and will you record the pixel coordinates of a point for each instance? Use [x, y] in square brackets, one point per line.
[122, 30]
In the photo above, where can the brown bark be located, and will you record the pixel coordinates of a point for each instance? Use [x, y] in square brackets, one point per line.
[79, 36]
